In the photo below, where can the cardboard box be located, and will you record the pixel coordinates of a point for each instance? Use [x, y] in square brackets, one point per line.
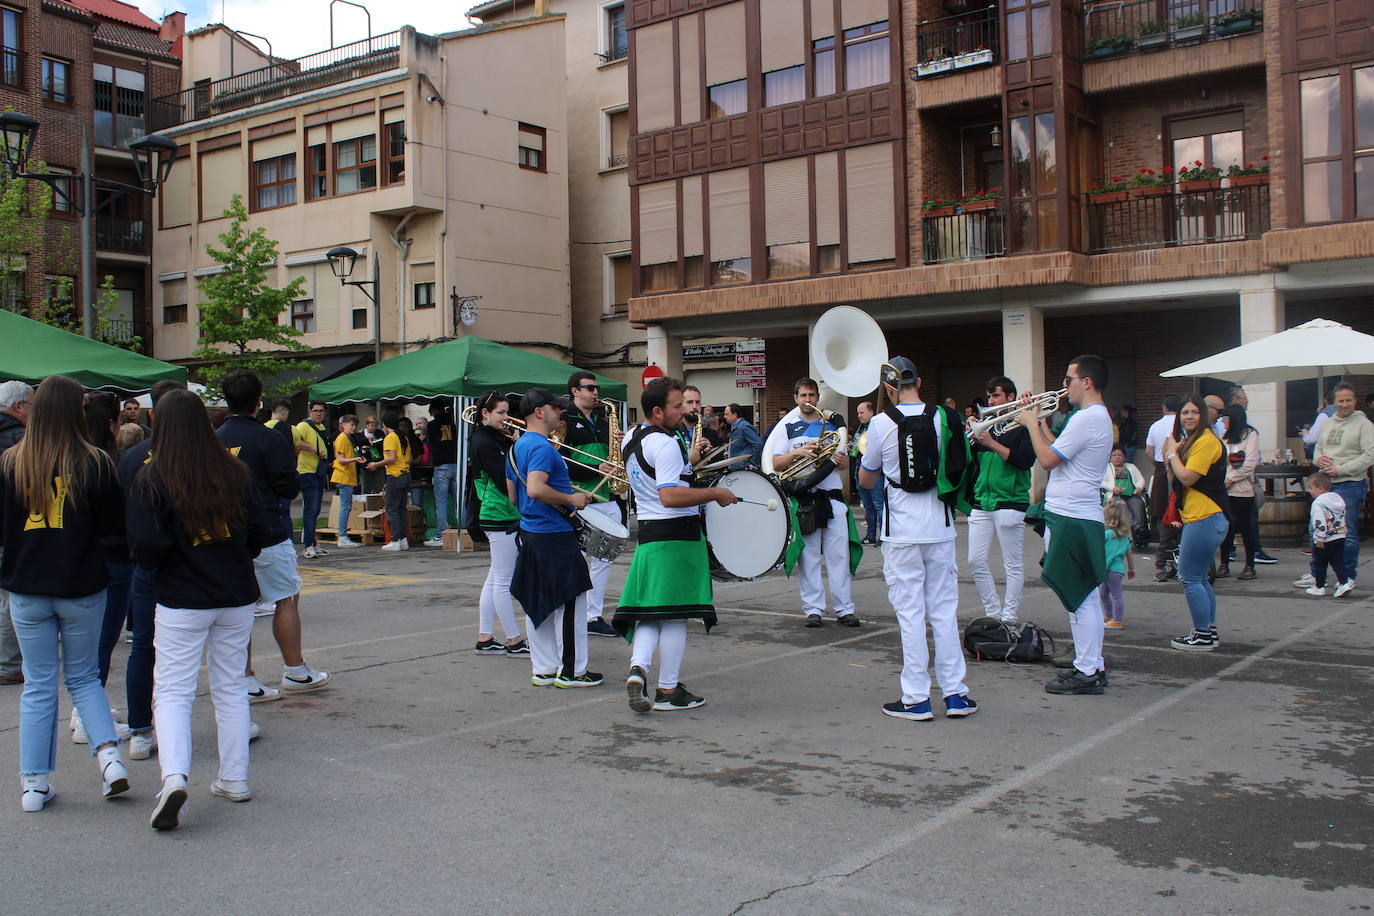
[451, 540]
[364, 522]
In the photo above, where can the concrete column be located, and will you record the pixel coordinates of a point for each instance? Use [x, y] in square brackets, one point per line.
[1262, 314]
[665, 351]
[1023, 348]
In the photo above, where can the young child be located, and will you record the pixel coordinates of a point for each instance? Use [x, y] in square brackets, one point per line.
[1328, 536]
[1120, 565]
[345, 474]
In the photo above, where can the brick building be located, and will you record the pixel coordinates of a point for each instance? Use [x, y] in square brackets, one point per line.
[969, 177]
[84, 69]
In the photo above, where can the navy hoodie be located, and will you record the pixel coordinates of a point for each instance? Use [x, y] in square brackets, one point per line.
[271, 463]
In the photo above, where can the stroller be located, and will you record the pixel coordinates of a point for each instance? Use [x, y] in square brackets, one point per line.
[1139, 510]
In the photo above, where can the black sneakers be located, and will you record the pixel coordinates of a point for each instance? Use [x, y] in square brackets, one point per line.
[813, 620]
[849, 620]
[518, 649]
[634, 688]
[680, 698]
[1196, 641]
[599, 627]
[1075, 682]
[590, 679]
[490, 647]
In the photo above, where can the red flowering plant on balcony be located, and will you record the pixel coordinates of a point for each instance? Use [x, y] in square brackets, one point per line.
[938, 203]
[1110, 186]
[980, 194]
[1250, 168]
[1199, 172]
[1148, 178]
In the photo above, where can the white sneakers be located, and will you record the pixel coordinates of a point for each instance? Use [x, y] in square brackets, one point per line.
[435, 542]
[79, 735]
[1344, 588]
[402, 544]
[258, 692]
[37, 792]
[1306, 580]
[236, 790]
[170, 801]
[265, 609]
[112, 772]
[346, 542]
[141, 746]
[303, 679]
[314, 551]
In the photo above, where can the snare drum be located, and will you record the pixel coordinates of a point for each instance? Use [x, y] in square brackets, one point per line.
[747, 541]
[601, 536]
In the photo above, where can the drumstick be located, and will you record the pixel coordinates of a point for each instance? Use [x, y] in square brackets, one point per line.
[771, 505]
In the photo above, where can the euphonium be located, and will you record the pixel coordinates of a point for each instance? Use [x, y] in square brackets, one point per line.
[805, 473]
[619, 484]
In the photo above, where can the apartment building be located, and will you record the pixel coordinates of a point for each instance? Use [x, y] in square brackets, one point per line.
[85, 70]
[999, 184]
[440, 159]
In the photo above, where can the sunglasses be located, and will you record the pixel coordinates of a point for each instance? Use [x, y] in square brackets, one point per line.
[590, 387]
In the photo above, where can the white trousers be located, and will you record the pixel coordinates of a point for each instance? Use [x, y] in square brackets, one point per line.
[496, 601]
[1009, 526]
[923, 586]
[600, 570]
[1087, 626]
[670, 638]
[830, 544]
[559, 644]
[179, 639]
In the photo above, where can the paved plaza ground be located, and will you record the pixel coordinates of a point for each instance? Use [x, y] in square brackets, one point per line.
[431, 779]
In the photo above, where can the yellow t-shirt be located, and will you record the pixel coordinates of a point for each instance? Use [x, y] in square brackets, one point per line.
[303, 433]
[392, 443]
[345, 473]
[1206, 451]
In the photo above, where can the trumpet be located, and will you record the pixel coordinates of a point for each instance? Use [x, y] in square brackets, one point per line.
[1002, 418]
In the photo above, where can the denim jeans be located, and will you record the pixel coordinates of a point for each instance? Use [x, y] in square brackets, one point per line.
[445, 477]
[396, 489]
[38, 620]
[312, 491]
[345, 506]
[872, 499]
[116, 613]
[138, 678]
[1353, 492]
[1199, 540]
[9, 643]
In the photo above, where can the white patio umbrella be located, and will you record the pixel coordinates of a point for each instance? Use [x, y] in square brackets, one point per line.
[1313, 349]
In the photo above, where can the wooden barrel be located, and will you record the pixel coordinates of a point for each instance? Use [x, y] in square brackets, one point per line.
[1283, 520]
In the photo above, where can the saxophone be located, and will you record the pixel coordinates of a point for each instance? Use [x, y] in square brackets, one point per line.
[620, 485]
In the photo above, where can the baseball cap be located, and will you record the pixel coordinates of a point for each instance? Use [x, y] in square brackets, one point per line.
[899, 371]
[536, 398]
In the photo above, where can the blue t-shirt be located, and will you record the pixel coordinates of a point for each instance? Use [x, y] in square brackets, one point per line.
[533, 452]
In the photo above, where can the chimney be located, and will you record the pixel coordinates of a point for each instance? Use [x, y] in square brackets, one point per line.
[172, 30]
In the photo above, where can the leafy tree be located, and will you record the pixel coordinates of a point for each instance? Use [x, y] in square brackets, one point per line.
[60, 312]
[239, 322]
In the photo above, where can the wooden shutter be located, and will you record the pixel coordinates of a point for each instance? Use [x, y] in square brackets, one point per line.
[782, 23]
[729, 201]
[353, 128]
[654, 76]
[786, 202]
[658, 222]
[530, 138]
[177, 197]
[174, 292]
[862, 12]
[827, 194]
[692, 219]
[869, 200]
[620, 281]
[725, 58]
[272, 147]
[822, 19]
[221, 176]
[689, 73]
[620, 133]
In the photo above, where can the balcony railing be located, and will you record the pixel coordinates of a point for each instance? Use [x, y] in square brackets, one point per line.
[120, 233]
[965, 236]
[12, 67]
[617, 160]
[125, 331]
[954, 43]
[613, 54]
[280, 79]
[1115, 27]
[1173, 219]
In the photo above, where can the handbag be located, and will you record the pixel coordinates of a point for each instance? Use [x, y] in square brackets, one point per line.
[1171, 516]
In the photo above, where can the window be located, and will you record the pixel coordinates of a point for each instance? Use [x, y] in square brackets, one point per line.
[12, 62]
[865, 56]
[730, 98]
[693, 233]
[359, 319]
[783, 86]
[823, 55]
[658, 236]
[274, 182]
[786, 210]
[613, 43]
[1029, 33]
[617, 283]
[118, 103]
[57, 297]
[617, 138]
[316, 178]
[62, 203]
[424, 295]
[870, 204]
[174, 314]
[355, 165]
[1032, 212]
[827, 194]
[303, 315]
[530, 149]
[14, 294]
[728, 202]
[394, 168]
[654, 77]
[1338, 167]
[726, 60]
[57, 86]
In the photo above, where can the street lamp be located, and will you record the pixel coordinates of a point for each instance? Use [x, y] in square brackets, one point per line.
[152, 156]
[341, 262]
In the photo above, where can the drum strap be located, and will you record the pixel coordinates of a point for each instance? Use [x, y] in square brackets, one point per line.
[635, 449]
[682, 528]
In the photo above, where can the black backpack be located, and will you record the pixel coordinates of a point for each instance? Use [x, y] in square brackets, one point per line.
[989, 639]
[918, 450]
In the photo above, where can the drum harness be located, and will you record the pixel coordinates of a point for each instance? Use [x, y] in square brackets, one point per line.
[682, 528]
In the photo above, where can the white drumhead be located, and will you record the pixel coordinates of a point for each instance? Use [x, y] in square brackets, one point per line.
[604, 524]
[747, 540]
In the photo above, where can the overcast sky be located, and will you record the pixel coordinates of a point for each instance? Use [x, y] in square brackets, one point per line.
[300, 27]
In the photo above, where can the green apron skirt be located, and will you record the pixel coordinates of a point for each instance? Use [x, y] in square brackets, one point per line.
[670, 576]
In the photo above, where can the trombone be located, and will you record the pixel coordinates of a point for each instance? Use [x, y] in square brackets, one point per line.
[1002, 418]
[513, 427]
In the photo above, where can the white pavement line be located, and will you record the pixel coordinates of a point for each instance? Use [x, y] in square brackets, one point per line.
[970, 805]
[592, 701]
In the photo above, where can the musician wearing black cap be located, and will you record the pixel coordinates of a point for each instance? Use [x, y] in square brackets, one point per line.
[588, 432]
[918, 452]
[550, 579]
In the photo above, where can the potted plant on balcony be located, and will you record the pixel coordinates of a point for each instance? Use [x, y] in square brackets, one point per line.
[1110, 191]
[1146, 183]
[1236, 21]
[940, 62]
[974, 58]
[978, 201]
[1189, 26]
[1251, 174]
[1152, 34]
[1199, 177]
[1109, 45]
[937, 206]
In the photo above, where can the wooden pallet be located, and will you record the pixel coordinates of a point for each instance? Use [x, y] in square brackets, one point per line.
[365, 538]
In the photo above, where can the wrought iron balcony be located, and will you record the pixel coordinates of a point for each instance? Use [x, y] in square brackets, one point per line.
[617, 160]
[120, 233]
[954, 43]
[1115, 27]
[964, 235]
[1175, 218]
[613, 54]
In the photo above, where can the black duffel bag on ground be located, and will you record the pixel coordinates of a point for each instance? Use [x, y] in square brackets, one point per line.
[989, 639]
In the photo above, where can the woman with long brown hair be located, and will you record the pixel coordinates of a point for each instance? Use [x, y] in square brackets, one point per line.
[60, 508]
[196, 521]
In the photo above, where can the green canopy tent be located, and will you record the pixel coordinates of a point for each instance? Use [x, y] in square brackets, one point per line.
[33, 351]
[463, 368]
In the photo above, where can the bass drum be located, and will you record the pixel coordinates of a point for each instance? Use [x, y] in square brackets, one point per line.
[747, 541]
